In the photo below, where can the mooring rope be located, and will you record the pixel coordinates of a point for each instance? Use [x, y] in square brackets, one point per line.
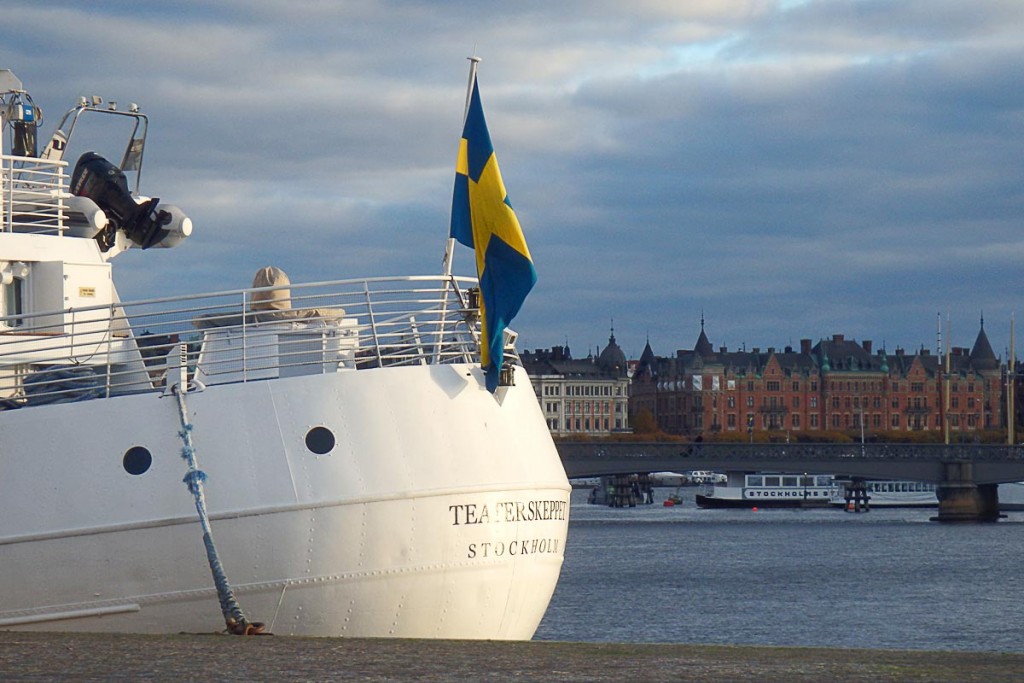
[235, 619]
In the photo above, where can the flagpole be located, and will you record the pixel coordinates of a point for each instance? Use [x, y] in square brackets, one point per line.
[474, 62]
[449, 249]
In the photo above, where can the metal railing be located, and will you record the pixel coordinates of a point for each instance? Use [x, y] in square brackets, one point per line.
[226, 337]
[914, 462]
[33, 192]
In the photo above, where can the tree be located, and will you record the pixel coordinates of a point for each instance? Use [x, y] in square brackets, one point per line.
[643, 423]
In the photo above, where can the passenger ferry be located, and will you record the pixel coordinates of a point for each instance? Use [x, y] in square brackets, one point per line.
[341, 437]
[891, 494]
[768, 490]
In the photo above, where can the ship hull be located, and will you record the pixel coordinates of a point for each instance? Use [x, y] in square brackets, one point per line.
[441, 510]
[713, 502]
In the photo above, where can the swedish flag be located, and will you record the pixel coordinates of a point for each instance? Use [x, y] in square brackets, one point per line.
[483, 218]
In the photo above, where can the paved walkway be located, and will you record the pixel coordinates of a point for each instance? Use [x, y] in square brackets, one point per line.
[91, 657]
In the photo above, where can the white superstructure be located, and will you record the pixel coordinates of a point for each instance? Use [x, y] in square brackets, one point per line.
[360, 478]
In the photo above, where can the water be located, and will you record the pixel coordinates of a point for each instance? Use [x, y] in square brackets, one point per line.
[819, 578]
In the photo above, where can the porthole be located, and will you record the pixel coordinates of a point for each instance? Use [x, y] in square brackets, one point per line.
[137, 460]
[320, 440]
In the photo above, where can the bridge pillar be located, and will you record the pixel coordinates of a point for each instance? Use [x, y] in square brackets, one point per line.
[961, 500]
[856, 496]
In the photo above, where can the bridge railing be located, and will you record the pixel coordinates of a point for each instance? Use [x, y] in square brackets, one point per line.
[915, 462]
[791, 451]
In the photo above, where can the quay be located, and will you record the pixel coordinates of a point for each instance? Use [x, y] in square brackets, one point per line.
[75, 657]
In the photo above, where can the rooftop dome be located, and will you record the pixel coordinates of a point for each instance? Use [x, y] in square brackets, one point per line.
[612, 359]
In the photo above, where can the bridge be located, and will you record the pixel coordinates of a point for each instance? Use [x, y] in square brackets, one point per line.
[966, 475]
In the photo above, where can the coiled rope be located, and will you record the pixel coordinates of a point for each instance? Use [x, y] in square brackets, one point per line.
[235, 619]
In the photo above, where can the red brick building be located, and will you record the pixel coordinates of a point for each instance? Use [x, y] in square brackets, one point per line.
[835, 385]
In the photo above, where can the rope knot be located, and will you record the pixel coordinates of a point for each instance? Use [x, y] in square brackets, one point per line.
[193, 479]
[242, 627]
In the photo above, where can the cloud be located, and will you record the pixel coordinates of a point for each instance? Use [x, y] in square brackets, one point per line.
[793, 169]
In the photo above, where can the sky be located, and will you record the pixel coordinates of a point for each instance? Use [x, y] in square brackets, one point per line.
[782, 169]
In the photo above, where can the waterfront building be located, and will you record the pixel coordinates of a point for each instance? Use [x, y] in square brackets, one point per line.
[589, 396]
[837, 384]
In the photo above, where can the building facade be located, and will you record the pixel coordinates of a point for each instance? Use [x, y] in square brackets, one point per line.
[835, 385]
[587, 397]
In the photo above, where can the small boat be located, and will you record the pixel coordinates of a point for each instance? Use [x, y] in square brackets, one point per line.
[673, 500]
[363, 473]
[768, 490]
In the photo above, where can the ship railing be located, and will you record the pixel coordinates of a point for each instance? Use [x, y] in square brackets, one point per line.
[230, 337]
[32, 195]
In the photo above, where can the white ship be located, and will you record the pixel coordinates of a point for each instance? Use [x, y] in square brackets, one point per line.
[768, 490]
[889, 494]
[349, 472]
